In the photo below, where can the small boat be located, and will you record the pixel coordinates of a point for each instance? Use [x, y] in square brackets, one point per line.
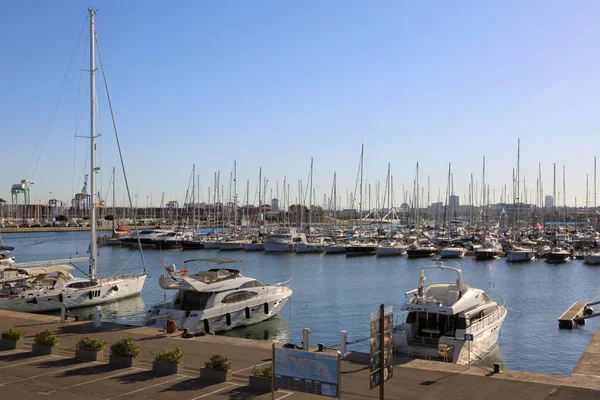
[520, 254]
[254, 245]
[488, 251]
[452, 252]
[283, 240]
[390, 249]
[558, 256]
[423, 250]
[217, 299]
[441, 315]
[592, 258]
[361, 248]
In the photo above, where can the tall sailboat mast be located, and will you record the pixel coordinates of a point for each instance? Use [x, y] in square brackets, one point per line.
[93, 245]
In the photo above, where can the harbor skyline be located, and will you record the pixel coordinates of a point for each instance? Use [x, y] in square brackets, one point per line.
[272, 86]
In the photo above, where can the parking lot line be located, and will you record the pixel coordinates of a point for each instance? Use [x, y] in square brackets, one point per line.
[287, 394]
[147, 387]
[257, 365]
[128, 370]
[217, 391]
[27, 362]
[44, 374]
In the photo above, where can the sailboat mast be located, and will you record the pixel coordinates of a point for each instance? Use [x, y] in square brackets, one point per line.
[114, 201]
[92, 205]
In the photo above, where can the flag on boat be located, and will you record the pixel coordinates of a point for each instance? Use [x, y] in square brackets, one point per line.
[537, 224]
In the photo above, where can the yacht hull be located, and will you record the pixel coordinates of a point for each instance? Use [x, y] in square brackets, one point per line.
[254, 247]
[278, 247]
[109, 290]
[520, 256]
[591, 259]
[452, 253]
[390, 251]
[357, 251]
[334, 249]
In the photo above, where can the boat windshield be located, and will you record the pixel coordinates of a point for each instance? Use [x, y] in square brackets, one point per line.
[193, 301]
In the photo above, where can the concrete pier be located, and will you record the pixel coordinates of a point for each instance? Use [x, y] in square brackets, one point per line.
[24, 375]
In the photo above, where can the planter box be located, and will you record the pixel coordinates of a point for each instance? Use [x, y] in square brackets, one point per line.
[6, 344]
[260, 382]
[119, 361]
[215, 375]
[166, 368]
[89, 355]
[43, 349]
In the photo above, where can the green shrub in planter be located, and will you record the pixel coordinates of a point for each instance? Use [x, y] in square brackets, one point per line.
[263, 372]
[218, 362]
[90, 344]
[125, 347]
[168, 356]
[12, 334]
[46, 338]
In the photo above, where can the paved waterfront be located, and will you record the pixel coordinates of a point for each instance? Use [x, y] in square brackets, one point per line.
[25, 375]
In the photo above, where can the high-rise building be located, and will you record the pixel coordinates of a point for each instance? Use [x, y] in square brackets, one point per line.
[275, 205]
[453, 204]
[548, 202]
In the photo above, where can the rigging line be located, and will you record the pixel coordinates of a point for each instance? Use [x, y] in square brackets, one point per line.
[56, 103]
[135, 224]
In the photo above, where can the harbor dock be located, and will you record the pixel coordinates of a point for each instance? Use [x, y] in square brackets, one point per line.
[24, 374]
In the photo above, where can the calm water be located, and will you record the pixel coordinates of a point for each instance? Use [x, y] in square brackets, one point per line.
[334, 293]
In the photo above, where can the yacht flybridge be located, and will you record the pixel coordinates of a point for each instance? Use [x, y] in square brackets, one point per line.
[442, 316]
[217, 299]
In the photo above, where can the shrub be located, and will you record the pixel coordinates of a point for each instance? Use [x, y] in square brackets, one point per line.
[219, 362]
[169, 356]
[265, 372]
[90, 344]
[46, 338]
[12, 334]
[125, 347]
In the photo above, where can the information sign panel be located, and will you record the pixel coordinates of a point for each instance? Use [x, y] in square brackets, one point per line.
[378, 368]
[307, 372]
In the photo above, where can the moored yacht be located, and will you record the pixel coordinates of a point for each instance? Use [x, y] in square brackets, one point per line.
[390, 249]
[283, 240]
[441, 315]
[217, 299]
[592, 258]
[147, 237]
[422, 250]
[558, 256]
[452, 252]
[520, 254]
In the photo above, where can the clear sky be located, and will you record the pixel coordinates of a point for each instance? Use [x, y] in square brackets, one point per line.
[275, 83]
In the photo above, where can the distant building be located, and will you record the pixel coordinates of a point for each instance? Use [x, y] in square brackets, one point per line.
[275, 205]
[454, 203]
[548, 202]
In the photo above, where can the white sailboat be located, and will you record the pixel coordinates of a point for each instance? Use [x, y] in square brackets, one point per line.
[45, 296]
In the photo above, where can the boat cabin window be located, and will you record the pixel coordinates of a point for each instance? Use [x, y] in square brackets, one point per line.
[238, 296]
[251, 284]
[81, 285]
[195, 301]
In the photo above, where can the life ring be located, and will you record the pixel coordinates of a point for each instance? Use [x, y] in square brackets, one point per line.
[171, 326]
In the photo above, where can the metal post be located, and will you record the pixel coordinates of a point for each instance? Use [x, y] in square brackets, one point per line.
[339, 376]
[98, 317]
[343, 343]
[305, 333]
[381, 352]
[63, 312]
[273, 372]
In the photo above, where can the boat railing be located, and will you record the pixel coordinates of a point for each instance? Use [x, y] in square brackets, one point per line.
[485, 322]
[279, 287]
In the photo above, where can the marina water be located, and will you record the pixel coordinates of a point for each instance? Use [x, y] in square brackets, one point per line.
[334, 293]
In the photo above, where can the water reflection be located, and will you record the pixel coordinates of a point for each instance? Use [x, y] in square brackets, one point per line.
[128, 311]
[276, 329]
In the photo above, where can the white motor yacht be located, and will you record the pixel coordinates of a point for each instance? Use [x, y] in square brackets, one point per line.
[284, 240]
[520, 254]
[452, 252]
[390, 249]
[147, 237]
[442, 317]
[592, 258]
[216, 300]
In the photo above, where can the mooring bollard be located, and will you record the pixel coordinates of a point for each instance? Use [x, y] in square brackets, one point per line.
[98, 317]
[305, 333]
[63, 312]
[343, 340]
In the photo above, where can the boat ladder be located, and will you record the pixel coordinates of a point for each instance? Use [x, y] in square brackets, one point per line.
[449, 328]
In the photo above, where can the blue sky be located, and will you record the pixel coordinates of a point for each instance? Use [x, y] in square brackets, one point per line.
[273, 84]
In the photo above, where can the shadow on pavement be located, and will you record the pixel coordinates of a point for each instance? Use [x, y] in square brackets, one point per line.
[61, 362]
[136, 377]
[91, 370]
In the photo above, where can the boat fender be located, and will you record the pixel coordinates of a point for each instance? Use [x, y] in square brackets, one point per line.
[588, 310]
[90, 295]
[60, 297]
[115, 288]
[228, 319]
[266, 307]
[247, 312]
[35, 300]
[171, 326]
[206, 326]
